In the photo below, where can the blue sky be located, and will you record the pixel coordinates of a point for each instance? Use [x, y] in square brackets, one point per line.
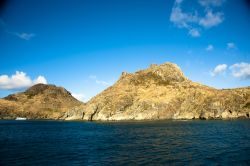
[84, 45]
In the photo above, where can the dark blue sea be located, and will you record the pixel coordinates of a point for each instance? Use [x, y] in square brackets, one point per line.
[125, 143]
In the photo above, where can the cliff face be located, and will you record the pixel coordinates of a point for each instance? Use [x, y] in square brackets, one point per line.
[163, 92]
[38, 102]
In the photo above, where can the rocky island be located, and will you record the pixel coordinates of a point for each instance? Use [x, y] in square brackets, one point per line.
[38, 102]
[157, 93]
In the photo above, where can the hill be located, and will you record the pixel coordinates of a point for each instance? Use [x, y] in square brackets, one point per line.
[38, 102]
[163, 92]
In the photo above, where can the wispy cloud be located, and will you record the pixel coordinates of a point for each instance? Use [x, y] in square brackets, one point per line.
[93, 77]
[210, 47]
[231, 45]
[100, 82]
[219, 69]
[194, 21]
[24, 36]
[208, 3]
[19, 80]
[241, 70]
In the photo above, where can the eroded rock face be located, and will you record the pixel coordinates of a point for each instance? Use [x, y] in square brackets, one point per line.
[38, 102]
[163, 92]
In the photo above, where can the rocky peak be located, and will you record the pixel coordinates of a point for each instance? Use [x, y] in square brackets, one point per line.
[167, 71]
[156, 74]
[41, 88]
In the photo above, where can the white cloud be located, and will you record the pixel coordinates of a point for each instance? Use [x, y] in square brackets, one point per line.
[231, 45]
[241, 70]
[100, 82]
[194, 32]
[79, 96]
[211, 19]
[210, 47]
[25, 36]
[180, 18]
[219, 69]
[19, 81]
[40, 79]
[208, 3]
[193, 20]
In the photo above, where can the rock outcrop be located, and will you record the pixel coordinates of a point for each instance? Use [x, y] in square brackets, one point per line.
[38, 102]
[163, 92]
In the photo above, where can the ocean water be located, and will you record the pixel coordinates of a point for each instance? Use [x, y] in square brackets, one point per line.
[125, 143]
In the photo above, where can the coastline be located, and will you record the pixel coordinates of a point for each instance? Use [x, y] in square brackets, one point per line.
[143, 120]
